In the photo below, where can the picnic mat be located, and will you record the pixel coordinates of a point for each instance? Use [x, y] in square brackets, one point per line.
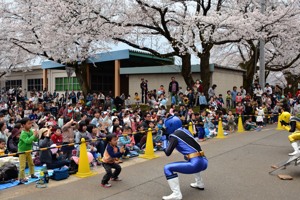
[13, 183]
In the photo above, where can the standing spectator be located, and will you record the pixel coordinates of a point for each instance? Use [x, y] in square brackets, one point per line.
[211, 91]
[228, 99]
[243, 92]
[258, 94]
[238, 98]
[268, 89]
[198, 90]
[27, 137]
[233, 96]
[173, 88]
[144, 88]
[202, 101]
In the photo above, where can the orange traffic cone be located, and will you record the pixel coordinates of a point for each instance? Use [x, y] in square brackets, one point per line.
[220, 130]
[240, 125]
[149, 152]
[83, 164]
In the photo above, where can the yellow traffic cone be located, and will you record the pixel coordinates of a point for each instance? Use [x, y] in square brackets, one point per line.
[279, 127]
[83, 164]
[220, 130]
[149, 152]
[240, 125]
[191, 128]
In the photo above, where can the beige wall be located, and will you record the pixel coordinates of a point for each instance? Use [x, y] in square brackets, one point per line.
[224, 79]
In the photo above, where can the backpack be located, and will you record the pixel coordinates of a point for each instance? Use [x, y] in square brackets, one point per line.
[60, 173]
[8, 171]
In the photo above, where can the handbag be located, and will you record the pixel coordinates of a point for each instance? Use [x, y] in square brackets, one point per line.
[60, 173]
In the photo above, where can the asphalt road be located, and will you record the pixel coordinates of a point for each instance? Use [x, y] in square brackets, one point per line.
[238, 170]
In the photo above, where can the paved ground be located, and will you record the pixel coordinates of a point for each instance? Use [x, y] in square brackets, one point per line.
[238, 169]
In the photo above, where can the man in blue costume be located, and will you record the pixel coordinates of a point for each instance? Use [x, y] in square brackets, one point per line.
[184, 142]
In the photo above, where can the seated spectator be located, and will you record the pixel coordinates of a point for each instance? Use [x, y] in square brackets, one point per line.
[82, 132]
[3, 132]
[11, 124]
[56, 137]
[2, 147]
[13, 139]
[137, 99]
[249, 125]
[131, 146]
[49, 157]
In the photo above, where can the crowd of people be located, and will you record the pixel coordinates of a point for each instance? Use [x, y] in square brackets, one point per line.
[44, 119]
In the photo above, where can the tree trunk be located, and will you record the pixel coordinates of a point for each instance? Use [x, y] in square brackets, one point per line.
[186, 70]
[81, 74]
[204, 68]
[250, 67]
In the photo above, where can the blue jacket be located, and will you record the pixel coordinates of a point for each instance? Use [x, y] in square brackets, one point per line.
[202, 100]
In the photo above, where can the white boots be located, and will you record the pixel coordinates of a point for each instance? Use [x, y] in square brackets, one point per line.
[199, 183]
[296, 149]
[174, 185]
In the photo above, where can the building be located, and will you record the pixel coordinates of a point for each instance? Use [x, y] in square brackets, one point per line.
[119, 72]
[224, 77]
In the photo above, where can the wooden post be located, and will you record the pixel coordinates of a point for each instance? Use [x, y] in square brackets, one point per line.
[45, 78]
[117, 77]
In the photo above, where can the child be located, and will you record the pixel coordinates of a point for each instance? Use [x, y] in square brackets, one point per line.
[27, 137]
[123, 141]
[249, 125]
[230, 119]
[57, 136]
[259, 116]
[112, 152]
[137, 99]
[228, 99]
[131, 145]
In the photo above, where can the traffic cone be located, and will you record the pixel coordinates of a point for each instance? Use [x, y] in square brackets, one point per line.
[240, 125]
[191, 128]
[279, 127]
[149, 152]
[83, 164]
[220, 130]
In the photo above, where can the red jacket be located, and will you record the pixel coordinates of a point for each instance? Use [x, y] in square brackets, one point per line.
[56, 139]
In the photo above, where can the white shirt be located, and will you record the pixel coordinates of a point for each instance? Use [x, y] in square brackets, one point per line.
[268, 90]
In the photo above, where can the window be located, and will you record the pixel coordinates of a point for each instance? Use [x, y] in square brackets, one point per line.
[65, 83]
[13, 84]
[35, 84]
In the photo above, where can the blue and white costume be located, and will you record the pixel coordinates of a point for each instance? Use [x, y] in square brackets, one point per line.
[184, 142]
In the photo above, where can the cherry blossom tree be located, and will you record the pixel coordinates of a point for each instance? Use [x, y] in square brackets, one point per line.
[280, 29]
[64, 31]
[181, 28]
